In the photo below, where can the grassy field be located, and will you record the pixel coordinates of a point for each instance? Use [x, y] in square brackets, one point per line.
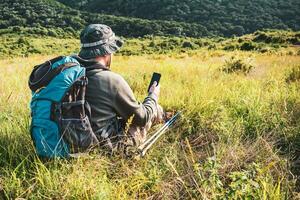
[238, 137]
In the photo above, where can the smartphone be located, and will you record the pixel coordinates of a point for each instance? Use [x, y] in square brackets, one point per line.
[155, 77]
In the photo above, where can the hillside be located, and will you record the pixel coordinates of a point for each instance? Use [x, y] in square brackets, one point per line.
[51, 14]
[187, 18]
[222, 17]
[26, 43]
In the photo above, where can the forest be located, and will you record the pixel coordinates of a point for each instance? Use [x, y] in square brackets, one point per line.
[220, 17]
[51, 14]
[159, 18]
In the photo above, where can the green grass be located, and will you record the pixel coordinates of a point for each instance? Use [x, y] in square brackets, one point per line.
[26, 42]
[238, 137]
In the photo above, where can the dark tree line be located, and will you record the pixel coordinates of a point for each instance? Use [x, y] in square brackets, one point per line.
[192, 18]
[51, 14]
[223, 17]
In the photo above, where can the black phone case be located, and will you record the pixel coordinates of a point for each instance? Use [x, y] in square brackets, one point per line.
[155, 77]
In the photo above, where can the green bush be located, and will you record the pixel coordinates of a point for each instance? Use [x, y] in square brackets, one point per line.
[265, 50]
[33, 50]
[293, 75]
[52, 33]
[188, 45]
[248, 46]
[230, 47]
[22, 40]
[234, 65]
[16, 29]
[276, 37]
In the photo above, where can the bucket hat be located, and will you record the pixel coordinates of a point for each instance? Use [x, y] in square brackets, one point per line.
[98, 40]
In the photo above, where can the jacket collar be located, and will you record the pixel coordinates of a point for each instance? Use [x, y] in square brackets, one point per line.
[90, 64]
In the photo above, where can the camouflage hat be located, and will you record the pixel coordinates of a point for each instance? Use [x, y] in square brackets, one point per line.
[98, 40]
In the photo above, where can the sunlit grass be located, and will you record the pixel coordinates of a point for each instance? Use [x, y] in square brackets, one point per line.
[237, 137]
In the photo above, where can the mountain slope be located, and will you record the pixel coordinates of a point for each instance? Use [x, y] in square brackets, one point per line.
[51, 14]
[193, 18]
[223, 17]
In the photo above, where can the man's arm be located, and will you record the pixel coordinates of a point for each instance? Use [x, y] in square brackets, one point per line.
[126, 105]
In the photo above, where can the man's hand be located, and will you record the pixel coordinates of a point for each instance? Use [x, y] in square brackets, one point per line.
[155, 89]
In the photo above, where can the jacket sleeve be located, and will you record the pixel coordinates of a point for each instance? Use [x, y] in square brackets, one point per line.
[126, 105]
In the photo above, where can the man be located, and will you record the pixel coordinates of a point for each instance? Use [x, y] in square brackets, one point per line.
[111, 99]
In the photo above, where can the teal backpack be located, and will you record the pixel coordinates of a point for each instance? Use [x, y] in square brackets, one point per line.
[60, 114]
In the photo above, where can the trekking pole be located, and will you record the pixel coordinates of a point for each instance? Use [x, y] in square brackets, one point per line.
[143, 148]
[166, 125]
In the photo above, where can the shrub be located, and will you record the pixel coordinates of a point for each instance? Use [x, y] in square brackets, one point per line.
[188, 44]
[22, 40]
[52, 33]
[152, 44]
[293, 75]
[265, 50]
[230, 47]
[212, 47]
[16, 29]
[262, 37]
[248, 46]
[234, 65]
[271, 37]
[175, 41]
[33, 50]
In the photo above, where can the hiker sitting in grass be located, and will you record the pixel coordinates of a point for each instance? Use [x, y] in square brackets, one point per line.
[110, 97]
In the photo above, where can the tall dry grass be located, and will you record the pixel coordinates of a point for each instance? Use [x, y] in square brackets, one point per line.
[238, 137]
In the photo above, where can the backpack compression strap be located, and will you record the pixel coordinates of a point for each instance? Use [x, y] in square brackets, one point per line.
[37, 81]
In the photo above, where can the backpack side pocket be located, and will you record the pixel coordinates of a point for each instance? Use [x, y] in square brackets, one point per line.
[79, 134]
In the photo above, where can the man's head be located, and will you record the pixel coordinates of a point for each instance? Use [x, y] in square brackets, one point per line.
[98, 41]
